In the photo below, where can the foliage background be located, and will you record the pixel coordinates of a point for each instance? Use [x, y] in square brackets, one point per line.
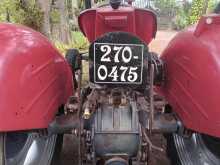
[63, 28]
[190, 13]
[16, 12]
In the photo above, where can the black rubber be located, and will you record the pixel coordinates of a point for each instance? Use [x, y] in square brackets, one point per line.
[2, 149]
[56, 160]
[213, 144]
[55, 157]
[171, 150]
[194, 150]
[71, 58]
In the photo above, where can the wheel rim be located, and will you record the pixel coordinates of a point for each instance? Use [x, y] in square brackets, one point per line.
[28, 148]
[195, 150]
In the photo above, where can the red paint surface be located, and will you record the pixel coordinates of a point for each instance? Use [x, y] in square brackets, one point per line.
[139, 22]
[193, 76]
[34, 79]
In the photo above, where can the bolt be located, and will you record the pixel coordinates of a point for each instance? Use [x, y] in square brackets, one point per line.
[209, 21]
[87, 114]
[74, 132]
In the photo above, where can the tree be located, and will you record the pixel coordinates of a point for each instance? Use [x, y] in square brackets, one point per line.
[64, 24]
[21, 11]
[50, 17]
[199, 8]
[45, 7]
[214, 6]
[74, 13]
[167, 7]
[205, 6]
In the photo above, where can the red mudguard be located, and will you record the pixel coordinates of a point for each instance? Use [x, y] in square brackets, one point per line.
[35, 80]
[140, 22]
[192, 85]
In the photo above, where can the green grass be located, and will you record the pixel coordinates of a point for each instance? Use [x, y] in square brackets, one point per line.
[78, 41]
[85, 73]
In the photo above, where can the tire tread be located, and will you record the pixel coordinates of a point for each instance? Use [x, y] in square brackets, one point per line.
[171, 150]
[2, 149]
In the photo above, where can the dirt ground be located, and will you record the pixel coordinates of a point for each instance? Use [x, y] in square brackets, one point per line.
[69, 153]
[161, 41]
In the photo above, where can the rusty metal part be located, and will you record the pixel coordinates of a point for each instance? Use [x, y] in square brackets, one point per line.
[72, 105]
[88, 103]
[115, 127]
[79, 91]
[116, 97]
[151, 145]
[91, 104]
[86, 114]
[151, 120]
[163, 123]
[92, 98]
[64, 124]
[111, 126]
[147, 147]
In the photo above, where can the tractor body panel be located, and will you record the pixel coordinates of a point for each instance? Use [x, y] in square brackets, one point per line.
[139, 22]
[35, 79]
[192, 62]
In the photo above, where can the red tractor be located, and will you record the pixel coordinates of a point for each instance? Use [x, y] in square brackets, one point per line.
[132, 93]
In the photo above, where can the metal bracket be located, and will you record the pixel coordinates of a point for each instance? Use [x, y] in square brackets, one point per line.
[151, 120]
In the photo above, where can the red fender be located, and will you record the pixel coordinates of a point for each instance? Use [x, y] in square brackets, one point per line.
[35, 79]
[140, 22]
[192, 61]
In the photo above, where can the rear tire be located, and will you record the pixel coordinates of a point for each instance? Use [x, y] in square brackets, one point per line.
[17, 148]
[2, 149]
[196, 150]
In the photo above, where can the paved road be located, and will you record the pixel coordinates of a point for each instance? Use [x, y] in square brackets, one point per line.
[69, 153]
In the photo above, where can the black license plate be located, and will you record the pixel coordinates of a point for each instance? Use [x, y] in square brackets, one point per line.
[118, 63]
